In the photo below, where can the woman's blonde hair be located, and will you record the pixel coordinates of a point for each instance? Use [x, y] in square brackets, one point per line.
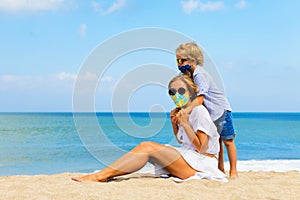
[191, 86]
[192, 51]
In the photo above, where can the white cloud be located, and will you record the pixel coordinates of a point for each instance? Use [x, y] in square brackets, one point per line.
[13, 82]
[62, 76]
[107, 79]
[60, 80]
[97, 6]
[241, 4]
[30, 5]
[211, 6]
[190, 6]
[117, 5]
[8, 78]
[14, 79]
[82, 30]
[65, 76]
[50, 91]
[88, 76]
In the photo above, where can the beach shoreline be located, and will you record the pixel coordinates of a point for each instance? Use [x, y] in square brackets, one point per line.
[249, 185]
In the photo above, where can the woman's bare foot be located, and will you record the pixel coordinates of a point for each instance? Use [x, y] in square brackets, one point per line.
[88, 178]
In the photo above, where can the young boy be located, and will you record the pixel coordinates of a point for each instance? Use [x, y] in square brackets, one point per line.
[189, 60]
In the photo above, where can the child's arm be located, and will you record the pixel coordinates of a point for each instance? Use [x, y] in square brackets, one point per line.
[196, 102]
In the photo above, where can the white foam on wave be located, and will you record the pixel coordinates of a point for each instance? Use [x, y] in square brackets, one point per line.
[266, 165]
[249, 165]
[252, 165]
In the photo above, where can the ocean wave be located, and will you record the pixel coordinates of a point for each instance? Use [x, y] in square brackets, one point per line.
[253, 165]
[266, 165]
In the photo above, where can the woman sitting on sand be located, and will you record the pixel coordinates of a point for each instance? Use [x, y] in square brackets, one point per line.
[196, 133]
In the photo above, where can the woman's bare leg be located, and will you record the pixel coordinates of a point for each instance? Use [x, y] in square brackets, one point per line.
[138, 157]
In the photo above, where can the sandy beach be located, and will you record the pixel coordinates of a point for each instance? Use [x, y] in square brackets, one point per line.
[250, 185]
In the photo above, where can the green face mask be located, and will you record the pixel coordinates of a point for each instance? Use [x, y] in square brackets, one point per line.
[180, 100]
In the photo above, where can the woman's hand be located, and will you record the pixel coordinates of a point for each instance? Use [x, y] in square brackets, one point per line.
[174, 121]
[173, 115]
[182, 116]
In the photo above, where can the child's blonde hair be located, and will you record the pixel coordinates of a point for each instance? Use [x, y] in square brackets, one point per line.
[191, 50]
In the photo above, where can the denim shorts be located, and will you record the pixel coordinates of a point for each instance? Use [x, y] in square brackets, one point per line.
[225, 126]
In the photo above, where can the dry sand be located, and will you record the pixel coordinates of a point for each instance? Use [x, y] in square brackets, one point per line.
[249, 185]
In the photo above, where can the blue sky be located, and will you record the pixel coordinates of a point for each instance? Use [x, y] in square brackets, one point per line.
[43, 44]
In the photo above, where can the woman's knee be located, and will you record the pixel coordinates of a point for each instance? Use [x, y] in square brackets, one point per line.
[149, 147]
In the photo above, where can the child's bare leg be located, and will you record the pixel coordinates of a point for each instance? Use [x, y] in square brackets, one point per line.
[138, 157]
[221, 157]
[232, 156]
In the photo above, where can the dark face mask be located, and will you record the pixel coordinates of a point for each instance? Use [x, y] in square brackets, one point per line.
[184, 68]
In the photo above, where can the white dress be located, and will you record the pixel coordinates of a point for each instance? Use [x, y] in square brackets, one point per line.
[207, 166]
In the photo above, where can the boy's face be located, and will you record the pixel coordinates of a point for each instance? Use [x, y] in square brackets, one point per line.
[181, 60]
[185, 64]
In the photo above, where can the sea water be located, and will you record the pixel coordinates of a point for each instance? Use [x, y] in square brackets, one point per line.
[50, 143]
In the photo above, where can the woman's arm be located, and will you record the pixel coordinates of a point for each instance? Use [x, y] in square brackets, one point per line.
[203, 139]
[198, 139]
[175, 122]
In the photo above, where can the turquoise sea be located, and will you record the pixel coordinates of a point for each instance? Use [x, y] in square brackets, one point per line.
[50, 143]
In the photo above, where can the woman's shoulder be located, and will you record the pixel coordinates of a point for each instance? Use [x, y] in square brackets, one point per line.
[200, 110]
